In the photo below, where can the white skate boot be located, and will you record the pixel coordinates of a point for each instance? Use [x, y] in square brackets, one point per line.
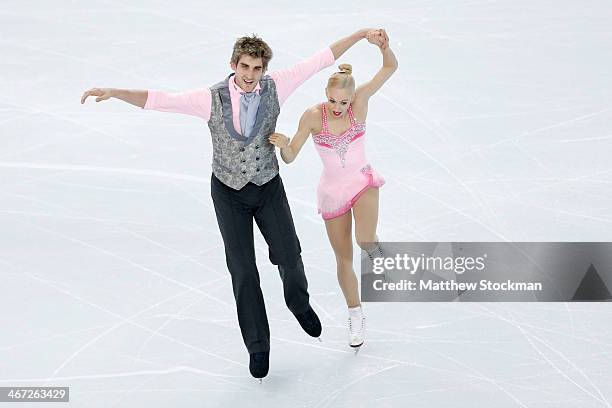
[375, 251]
[356, 325]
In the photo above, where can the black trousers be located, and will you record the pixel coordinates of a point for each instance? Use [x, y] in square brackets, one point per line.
[268, 205]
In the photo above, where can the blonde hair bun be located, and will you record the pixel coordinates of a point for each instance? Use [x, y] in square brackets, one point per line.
[343, 78]
[345, 68]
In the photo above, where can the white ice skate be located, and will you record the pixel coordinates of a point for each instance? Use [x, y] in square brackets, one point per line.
[356, 326]
[376, 250]
[372, 253]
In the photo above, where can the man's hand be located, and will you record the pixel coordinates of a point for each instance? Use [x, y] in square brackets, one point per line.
[378, 37]
[101, 93]
[279, 140]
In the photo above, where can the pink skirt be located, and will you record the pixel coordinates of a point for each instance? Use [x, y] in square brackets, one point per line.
[336, 194]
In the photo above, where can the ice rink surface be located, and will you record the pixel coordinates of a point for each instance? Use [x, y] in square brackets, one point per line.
[496, 127]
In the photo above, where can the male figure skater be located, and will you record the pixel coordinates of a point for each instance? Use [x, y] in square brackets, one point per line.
[241, 112]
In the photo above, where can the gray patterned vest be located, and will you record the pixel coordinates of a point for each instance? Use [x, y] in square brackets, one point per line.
[237, 159]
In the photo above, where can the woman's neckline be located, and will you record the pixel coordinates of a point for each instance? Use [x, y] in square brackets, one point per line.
[329, 133]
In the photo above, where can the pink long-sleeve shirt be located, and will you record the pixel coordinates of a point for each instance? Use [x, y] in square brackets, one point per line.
[198, 102]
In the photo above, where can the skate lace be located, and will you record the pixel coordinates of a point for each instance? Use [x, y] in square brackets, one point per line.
[378, 248]
[361, 326]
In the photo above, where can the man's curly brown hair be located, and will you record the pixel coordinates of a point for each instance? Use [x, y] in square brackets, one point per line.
[254, 47]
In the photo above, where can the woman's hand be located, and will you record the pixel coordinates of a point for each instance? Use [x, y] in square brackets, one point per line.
[101, 93]
[279, 140]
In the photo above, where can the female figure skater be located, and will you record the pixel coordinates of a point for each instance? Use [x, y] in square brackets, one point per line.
[348, 181]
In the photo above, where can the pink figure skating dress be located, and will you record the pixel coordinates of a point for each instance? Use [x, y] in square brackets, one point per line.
[346, 171]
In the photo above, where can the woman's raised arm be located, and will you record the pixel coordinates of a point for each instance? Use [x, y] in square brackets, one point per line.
[366, 90]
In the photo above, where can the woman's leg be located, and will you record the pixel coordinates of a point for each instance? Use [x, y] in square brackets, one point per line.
[365, 211]
[339, 234]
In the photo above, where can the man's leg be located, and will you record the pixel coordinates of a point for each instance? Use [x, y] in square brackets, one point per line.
[275, 222]
[235, 219]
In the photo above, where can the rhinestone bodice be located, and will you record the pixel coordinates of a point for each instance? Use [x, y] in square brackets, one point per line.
[340, 143]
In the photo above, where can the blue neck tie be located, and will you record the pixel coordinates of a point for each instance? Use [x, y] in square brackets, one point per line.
[249, 103]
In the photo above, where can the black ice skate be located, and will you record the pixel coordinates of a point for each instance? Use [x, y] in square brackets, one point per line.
[259, 364]
[310, 322]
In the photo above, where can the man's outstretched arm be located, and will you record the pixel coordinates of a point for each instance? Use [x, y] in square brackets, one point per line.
[195, 102]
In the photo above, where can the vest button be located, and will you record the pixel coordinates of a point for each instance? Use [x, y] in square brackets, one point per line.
[242, 161]
[257, 158]
[257, 169]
